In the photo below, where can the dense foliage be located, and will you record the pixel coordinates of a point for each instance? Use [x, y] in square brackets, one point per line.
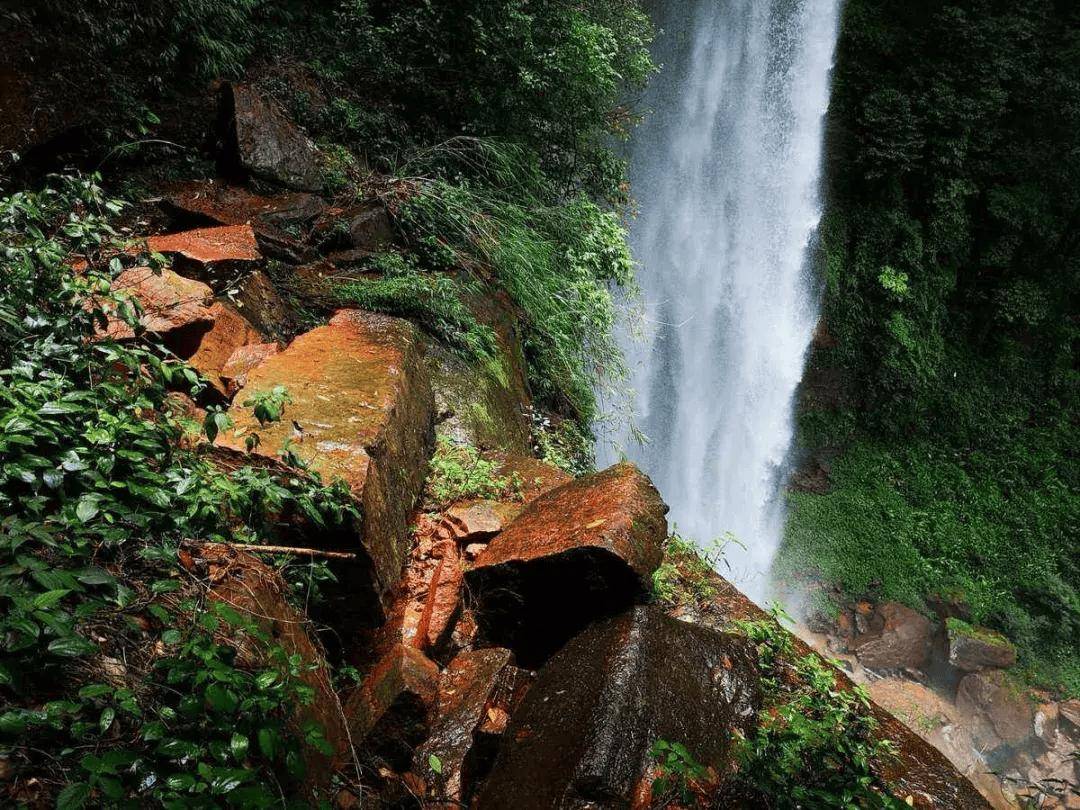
[952, 253]
[121, 681]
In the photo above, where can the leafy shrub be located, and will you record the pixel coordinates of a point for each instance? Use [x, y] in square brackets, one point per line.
[816, 744]
[555, 261]
[458, 471]
[113, 660]
[433, 298]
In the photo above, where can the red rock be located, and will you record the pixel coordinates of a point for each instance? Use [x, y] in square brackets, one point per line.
[363, 401]
[972, 649]
[581, 737]
[208, 246]
[228, 204]
[242, 360]
[581, 551]
[258, 592]
[443, 598]
[897, 637]
[997, 711]
[391, 710]
[467, 690]
[229, 333]
[177, 309]
[258, 300]
[264, 142]
[473, 521]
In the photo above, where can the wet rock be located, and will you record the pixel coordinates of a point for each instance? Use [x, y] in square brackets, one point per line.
[473, 521]
[177, 309]
[229, 333]
[209, 252]
[365, 226]
[939, 722]
[390, 712]
[467, 691]
[262, 141]
[257, 298]
[998, 712]
[485, 405]
[919, 769]
[583, 733]
[896, 637]
[361, 412]
[972, 649]
[225, 204]
[581, 551]
[258, 592]
[241, 361]
[443, 598]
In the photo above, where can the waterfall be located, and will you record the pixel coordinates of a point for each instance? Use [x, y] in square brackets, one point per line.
[726, 173]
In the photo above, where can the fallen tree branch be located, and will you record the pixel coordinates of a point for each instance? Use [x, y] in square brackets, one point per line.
[299, 552]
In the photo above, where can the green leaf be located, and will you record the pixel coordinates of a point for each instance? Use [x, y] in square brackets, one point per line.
[171, 636]
[238, 745]
[108, 714]
[220, 698]
[435, 764]
[46, 600]
[86, 509]
[73, 796]
[267, 742]
[71, 647]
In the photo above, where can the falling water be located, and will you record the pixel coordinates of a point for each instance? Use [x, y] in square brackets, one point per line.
[726, 171]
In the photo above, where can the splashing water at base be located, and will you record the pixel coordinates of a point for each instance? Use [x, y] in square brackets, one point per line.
[726, 171]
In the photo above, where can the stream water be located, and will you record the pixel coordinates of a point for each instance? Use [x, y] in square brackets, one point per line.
[726, 171]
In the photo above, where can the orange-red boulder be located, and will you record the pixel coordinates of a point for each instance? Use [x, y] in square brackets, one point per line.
[227, 204]
[242, 360]
[229, 333]
[205, 248]
[581, 551]
[177, 309]
[895, 637]
[468, 692]
[390, 712]
[362, 412]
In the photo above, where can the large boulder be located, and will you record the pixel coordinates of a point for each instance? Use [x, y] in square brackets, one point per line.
[918, 770]
[229, 334]
[583, 734]
[361, 412]
[973, 648]
[226, 204]
[581, 551]
[211, 253]
[262, 141]
[895, 637]
[998, 711]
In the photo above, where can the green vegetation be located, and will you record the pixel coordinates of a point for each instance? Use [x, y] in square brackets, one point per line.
[564, 443]
[123, 682]
[458, 471]
[678, 774]
[816, 743]
[687, 575]
[952, 270]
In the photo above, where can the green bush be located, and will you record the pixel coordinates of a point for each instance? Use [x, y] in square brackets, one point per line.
[122, 682]
[816, 743]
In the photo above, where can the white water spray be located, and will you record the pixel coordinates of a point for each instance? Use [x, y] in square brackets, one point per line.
[726, 171]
